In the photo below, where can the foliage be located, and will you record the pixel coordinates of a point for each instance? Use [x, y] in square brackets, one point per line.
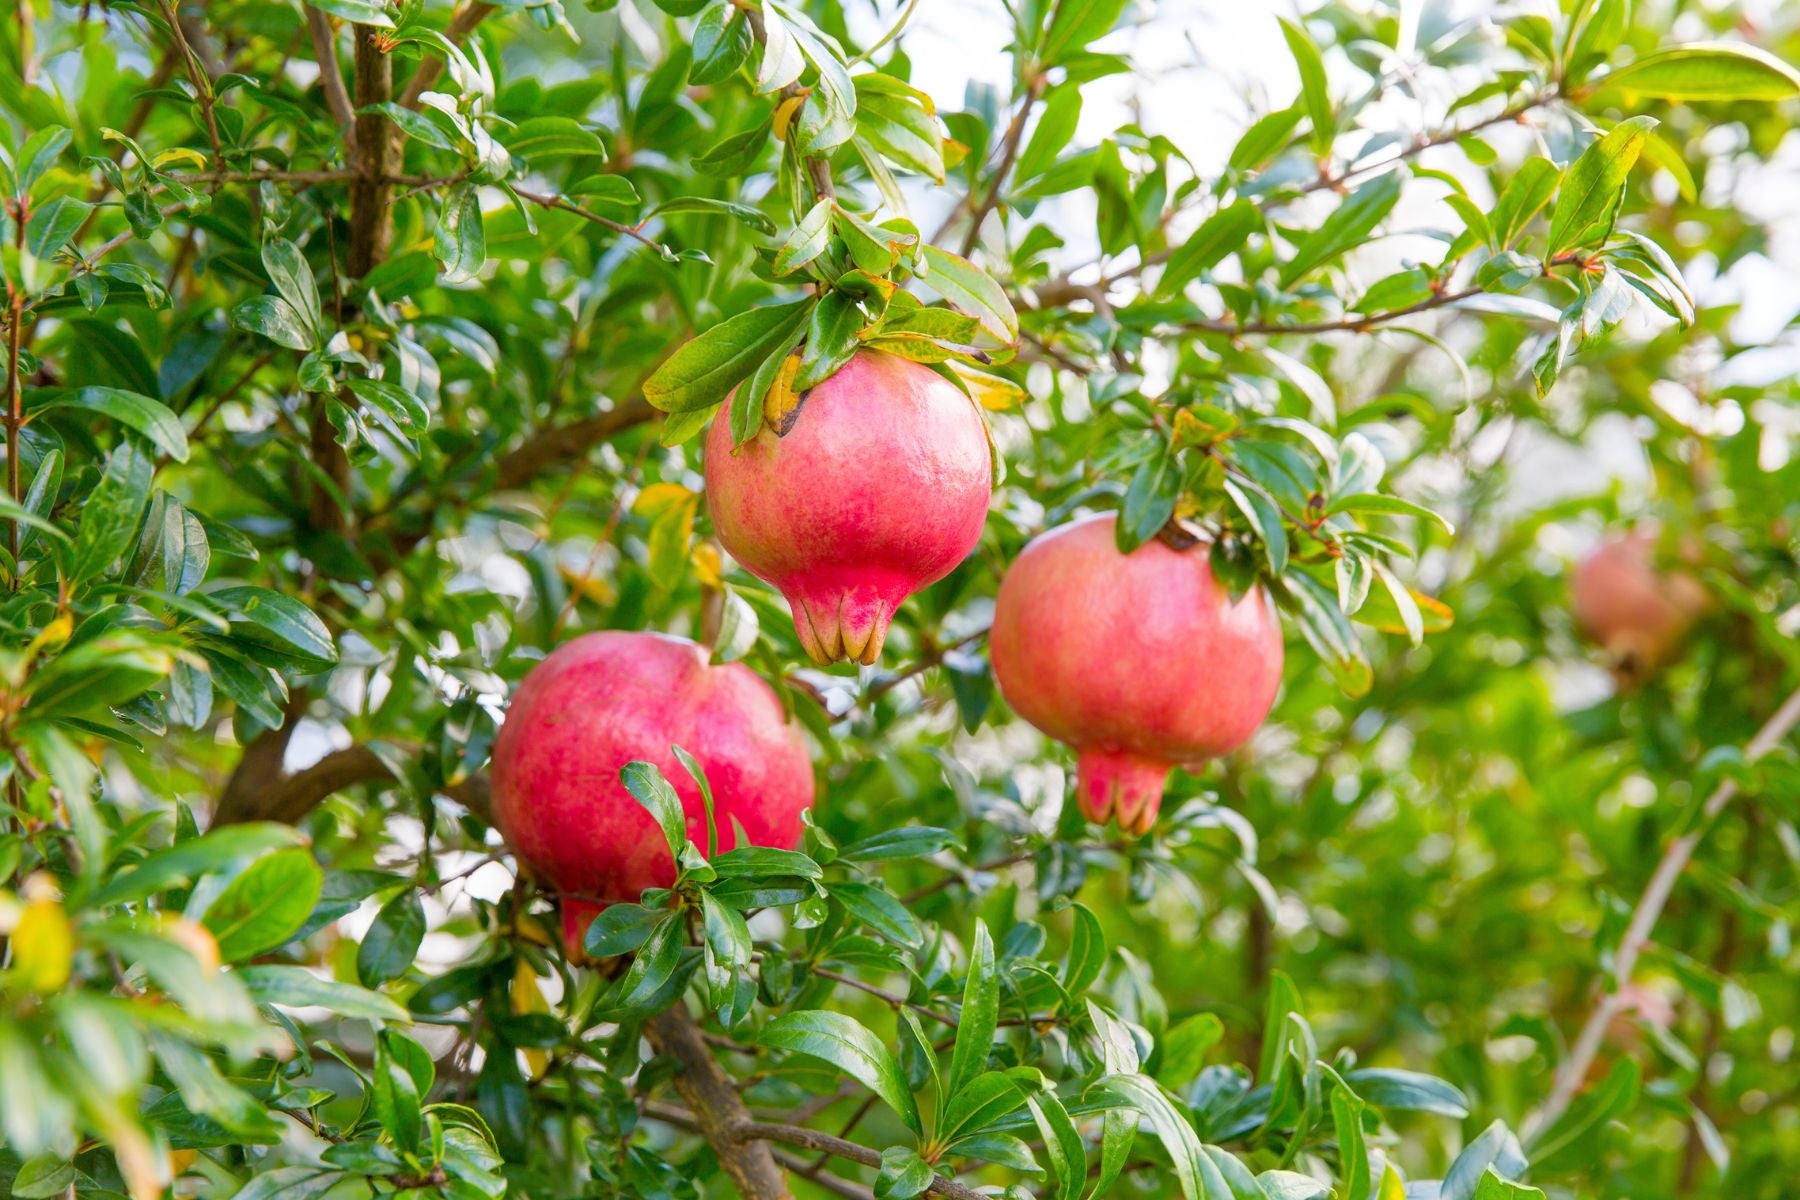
[356, 357]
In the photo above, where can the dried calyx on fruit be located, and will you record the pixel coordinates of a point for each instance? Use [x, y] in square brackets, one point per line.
[1636, 611]
[1140, 661]
[879, 487]
[607, 699]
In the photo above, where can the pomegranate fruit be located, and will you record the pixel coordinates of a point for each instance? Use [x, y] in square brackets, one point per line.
[880, 488]
[1635, 611]
[1140, 661]
[607, 699]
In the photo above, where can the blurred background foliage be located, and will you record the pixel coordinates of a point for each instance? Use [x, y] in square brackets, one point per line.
[277, 557]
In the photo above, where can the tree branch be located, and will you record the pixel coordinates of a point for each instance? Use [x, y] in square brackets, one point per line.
[1644, 917]
[331, 75]
[1063, 289]
[203, 92]
[1009, 150]
[370, 227]
[266, 795]
[719, 1114]
[811, 1139]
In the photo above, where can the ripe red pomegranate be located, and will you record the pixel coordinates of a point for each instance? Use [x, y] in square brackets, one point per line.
[1635, 611]
[880, 488]
[1140, 661]
[606, 699]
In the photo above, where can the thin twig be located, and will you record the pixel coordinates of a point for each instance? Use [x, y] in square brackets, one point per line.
[812, 1139]
[931, 658]
[1009, 150]
[1360, 324]
[1061, 290]
[1644, 917]
[202, 85]
[561, 205]
[331, 75]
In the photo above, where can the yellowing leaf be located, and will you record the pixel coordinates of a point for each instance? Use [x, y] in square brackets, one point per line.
[782, 404]
[527, 998]
[658, 498]
[43, 946]
[989, 390]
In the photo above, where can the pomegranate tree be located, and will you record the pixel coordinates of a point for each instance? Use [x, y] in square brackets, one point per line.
[607, 699]
[879, 488]
[1140, 661]
[1635, 611]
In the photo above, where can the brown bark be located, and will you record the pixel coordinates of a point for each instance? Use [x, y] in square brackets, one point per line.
[259, 792]
[718, 1111]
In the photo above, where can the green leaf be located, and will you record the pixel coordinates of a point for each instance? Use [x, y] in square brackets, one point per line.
[755, 218]
[1592, 189]
[149, 417]
[781, 62]
[1264, 515]
[654, 965]
[903, 1174]
[268, 618]
[1526, 193]
[51, 225]
[976, 1105]
[394, 1099]
[701, 373]
[1056, 125]
[897, 120]
[461, 241]
[613, 190]
[733, 155]
[265, 905]
[293, 281]
[1315, 93]
[298, 987]
[1327, 631]
[1221, 234]
[648, 787]
[1184, 1049]
[39, 154]
[1494, 1187]
[392, 942]
[831, 339]
[980, 1015]
[275, 319]
[1062, 1142]
[1611, 1098]
[757, 862]
[1264, 139]
[1076, 23]
[110, 513]
[620, 929]
[1353, 1150]
[1348, 226]
[849, 1046]
[538, 138]
[184, 862]
[722, 44]
[360, 12]
[880, 910]
[405, 410]
[970, 289]
[1194, 1172]
[1709, 71]
[1408, 1091]
[1495, 1148]
[909, 841]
